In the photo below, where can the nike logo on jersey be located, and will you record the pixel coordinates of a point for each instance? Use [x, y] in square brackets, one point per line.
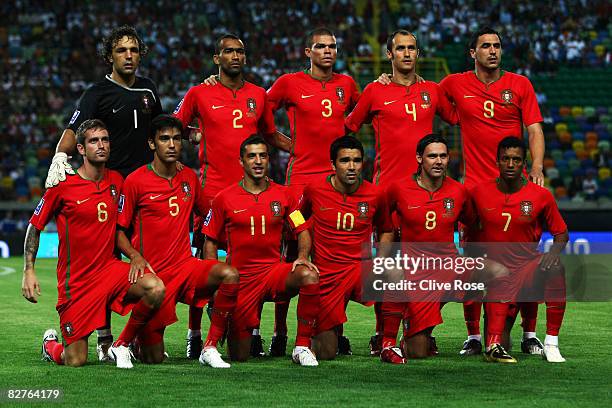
[239, 211]
[412, 207]
[153, 197]
[325, 208]
[389, 102]
[118, 109]
[79, 202]
[307, 96]
[218, 107]
[468, 96]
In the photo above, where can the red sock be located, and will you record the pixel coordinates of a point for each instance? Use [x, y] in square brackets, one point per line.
[554, 317]
[308, 306]
[380, 320]
[224, 305]
[141, 314]
[471, 314]
[496, 321]
[55, 350]
[195, 317]
[529, 315]
[392, 316]
[280, 317]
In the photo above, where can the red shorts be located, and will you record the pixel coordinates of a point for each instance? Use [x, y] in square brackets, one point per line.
[185, 283]
[337, 288]
[79, 317]
[418, 316]
[267, 286]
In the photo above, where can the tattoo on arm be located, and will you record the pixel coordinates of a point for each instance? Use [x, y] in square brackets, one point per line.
[30, 247]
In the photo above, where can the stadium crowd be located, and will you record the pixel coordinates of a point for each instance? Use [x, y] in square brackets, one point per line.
[49, 53]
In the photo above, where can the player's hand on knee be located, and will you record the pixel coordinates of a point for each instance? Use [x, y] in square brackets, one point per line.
[138, 267]
[306, 263]
[58, 170]
[30, 288]
[211, 80]
[549, 260]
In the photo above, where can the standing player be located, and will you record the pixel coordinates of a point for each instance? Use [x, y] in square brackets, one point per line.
[316, 101]
[344, 211]
[402, 113]
[90, 279]
[227, 113]
[428, 206]
[159, 200]
[513, 209]
[492, 104]
[126, 103]
[252, 213]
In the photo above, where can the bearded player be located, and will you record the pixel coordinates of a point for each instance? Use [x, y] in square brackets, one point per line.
[512, 209]
[227, 113]
[90, 279]
[401, 114]
[159, 200]
[344, 210]
[253, 213]
[126, 103]
[492, 104]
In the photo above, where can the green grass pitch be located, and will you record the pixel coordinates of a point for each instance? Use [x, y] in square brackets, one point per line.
[358, 380]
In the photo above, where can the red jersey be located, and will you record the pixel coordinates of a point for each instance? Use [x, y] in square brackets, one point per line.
[159, 210]
[226, 118]
[316, 112]
[401, 116]
[430, 216]
[86, 216]
[517, 217]
[253, 224]
[342, 224]
[487, 114]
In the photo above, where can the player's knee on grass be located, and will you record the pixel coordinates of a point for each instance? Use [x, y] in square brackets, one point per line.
[154, 289]
[418, 345]
[325, 345]
[75, 354]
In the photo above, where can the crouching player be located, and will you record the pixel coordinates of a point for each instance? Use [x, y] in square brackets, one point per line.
[343, 210]
[90, 279]
[428, 206]
[252, 214]
[512, 209]
[158, 202]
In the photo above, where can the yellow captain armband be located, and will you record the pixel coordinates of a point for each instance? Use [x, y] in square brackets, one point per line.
[297, 218]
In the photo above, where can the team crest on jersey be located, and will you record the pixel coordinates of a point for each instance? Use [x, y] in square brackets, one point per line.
[147, 103]
[187, 190]
[506, 96]
[340, 94]
[426, 99]
[526, 208]
[276, 208]
[251, 107]
[68, 329]
[363, 208]
[39, 207]
[449, 205]
[113, 191]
